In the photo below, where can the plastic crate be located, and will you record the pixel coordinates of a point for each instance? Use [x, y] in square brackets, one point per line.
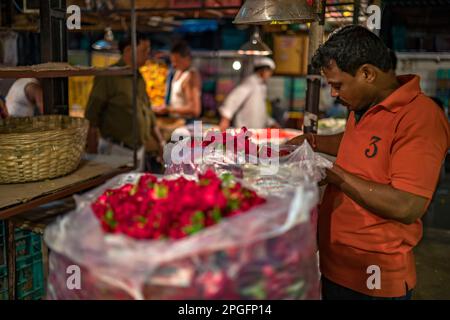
[29, 268]
[30, 278]
[2, 244]
[3, 283]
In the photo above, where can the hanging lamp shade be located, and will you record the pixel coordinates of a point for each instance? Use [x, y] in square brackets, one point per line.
[276, 12]
[255, 47]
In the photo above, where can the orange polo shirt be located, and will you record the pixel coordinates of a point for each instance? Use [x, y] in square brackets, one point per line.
[400, 142]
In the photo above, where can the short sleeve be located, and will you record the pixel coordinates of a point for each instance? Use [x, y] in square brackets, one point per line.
[418, 150]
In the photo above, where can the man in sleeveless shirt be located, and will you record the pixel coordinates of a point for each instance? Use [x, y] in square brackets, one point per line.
[25, 98]
[184, 96]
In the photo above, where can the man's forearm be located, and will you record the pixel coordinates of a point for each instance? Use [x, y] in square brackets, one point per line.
[380, 199]
[187, 110]
[224, 124]
[328, 144]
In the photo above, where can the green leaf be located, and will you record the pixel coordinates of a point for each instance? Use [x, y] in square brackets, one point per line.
[193, 229]
[216, 215]
[134, 190]
[161, 191]
[142, 219]
[109, 215]
[297, 289]
[198, 217]
[256, 291]
[227, 179]
[198, 223]
[204, 182]
[109, 218]
[233, 204]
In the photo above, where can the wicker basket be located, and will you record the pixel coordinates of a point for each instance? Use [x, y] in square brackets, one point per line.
[39, 148]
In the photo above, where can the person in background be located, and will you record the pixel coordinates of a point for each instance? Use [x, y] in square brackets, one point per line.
[184, 94]
[386, 171]
[110, 113]
[3, 110]
[245, 106]
[25, 98]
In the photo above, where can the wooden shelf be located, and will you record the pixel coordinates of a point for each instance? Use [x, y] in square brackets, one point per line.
[24, 72]
[27, 196]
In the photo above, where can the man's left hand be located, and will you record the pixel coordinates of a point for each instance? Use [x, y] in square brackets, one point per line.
[335, 175]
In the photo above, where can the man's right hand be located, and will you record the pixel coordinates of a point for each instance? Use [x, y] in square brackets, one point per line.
[300, 139]
[328, 144]
[160, 110]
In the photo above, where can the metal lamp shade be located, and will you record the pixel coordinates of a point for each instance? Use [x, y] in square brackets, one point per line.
[255, 47]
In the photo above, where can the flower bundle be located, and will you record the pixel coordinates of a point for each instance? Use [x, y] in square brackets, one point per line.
[172, 209]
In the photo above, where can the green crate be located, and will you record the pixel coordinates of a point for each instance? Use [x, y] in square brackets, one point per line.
[30, 278]
[29, 268]
[2, 244]
[27, 243]
[3, 283]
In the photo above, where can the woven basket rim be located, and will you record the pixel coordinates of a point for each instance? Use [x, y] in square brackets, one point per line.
[84, 120]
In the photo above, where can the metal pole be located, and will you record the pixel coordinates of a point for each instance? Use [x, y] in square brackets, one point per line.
[311, 116]
[135, 71]
[356, 10]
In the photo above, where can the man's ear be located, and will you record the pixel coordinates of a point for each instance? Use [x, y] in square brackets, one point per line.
[368, 73]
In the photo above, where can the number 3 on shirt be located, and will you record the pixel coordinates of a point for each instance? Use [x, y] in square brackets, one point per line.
[373, 149]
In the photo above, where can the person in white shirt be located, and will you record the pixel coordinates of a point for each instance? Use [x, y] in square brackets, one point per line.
[245, 106]
[25, 98]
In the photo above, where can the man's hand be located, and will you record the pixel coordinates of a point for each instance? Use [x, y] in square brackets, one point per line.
[161, 110]
[328, 144]
[300, 139]
[275, 125]
[224, 124]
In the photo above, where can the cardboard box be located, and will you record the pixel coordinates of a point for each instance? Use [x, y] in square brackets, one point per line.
[291, 54]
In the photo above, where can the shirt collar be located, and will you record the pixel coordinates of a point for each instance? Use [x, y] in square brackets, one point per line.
[256, 78]
[409, 89]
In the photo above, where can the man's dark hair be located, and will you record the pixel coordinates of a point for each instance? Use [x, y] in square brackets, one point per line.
[126, 41]
[261, 68]
[351, 47]
[181, 48]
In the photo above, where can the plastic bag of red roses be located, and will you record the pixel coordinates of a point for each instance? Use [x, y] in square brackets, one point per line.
[267, 252]
[235, 152]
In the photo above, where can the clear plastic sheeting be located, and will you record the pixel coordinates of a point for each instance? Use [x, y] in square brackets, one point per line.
[301, 165]
[266, 253]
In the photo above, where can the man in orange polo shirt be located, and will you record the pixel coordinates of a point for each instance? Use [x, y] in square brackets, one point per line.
[386, 171]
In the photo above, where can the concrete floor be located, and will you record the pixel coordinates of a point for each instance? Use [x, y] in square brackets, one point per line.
[433, 265]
